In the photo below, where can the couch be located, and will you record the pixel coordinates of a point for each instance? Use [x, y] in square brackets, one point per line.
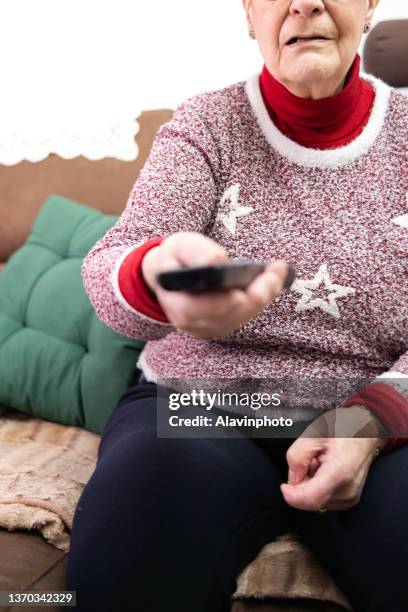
[27, 561]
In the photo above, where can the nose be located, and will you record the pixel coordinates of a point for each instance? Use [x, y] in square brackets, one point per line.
[306, 8]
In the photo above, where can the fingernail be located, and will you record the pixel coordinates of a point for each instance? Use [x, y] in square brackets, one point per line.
[292, 477]
[290, 277]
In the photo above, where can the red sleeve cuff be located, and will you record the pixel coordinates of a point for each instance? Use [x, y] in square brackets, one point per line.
[389, 406]
[133, 286]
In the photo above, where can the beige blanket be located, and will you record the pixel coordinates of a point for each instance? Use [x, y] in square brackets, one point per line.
[44, 467]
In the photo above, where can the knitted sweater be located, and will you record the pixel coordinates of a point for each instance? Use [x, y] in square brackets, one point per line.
[221, 167]
[340, 118]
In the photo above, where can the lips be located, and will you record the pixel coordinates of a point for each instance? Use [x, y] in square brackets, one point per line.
[297, 39]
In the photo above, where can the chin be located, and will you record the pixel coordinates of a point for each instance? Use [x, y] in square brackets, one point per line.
[309, 67]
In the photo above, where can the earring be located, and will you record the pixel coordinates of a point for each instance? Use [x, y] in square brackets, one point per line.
[251, 34]
[367, 27]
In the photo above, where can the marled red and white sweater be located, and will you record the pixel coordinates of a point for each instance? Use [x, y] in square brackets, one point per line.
[221, 167]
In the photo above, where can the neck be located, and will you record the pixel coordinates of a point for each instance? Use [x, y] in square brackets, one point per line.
[324, 122]
[324, 88]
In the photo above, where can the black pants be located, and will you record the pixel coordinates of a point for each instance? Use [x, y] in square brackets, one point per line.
[168, 524]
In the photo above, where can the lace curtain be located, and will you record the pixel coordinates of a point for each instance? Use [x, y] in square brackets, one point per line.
[83, 136]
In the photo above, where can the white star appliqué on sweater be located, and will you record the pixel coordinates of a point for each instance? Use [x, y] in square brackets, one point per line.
[306, 287]
[230, 220]
[402, 221]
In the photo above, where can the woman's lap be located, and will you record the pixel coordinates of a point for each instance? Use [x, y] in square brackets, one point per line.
[176, 520]
[170, 520]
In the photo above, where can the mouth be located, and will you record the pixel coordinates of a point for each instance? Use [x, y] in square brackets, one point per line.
[301, 40]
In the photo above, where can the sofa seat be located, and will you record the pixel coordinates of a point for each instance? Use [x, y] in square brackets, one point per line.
[29, 563]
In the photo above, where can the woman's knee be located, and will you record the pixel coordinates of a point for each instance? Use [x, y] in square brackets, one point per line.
[141, 479]
[132, 459]
[178, 472]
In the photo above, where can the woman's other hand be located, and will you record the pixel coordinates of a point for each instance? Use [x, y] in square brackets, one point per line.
[330, 472]
[215, 314]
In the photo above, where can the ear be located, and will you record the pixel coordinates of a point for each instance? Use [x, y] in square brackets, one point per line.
[249, 12]
[371, 6]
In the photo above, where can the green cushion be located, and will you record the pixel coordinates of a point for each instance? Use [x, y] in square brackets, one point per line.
[58, 361]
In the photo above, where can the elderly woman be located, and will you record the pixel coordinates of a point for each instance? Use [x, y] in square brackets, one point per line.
[304, 164]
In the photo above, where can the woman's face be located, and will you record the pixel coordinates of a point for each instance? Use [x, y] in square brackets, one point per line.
[318, 65]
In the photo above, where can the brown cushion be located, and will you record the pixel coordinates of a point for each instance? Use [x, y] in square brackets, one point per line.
[104, 184]
[386, 52]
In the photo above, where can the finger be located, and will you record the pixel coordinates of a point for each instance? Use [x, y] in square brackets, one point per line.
[299, 457]
[194, 249]
[340, 499]
[167, 262]
[266, 287]
[155, 261]
[280, 267]
[213, 307]
[314, 466]
[314, 493]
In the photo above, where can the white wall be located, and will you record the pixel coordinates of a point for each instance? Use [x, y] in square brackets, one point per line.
[64, 58]
[391, 9]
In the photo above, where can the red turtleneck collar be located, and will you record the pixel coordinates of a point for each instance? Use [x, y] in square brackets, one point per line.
[322, 124]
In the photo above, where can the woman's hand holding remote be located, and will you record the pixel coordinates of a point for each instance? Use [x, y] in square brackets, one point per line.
[215, 314]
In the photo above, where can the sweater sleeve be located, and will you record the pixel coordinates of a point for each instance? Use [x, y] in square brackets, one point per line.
[387, 398]
[133, 286]
[175, 191]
